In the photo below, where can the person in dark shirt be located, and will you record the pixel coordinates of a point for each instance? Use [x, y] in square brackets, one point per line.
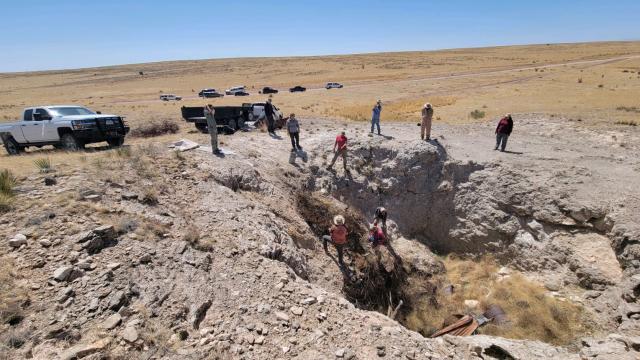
[268, 113]
[503, 130]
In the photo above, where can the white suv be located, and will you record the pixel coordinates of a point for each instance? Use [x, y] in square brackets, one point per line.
[234, 90]
[333, 85]
[168, 97]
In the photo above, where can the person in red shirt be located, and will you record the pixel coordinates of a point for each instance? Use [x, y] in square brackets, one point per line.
[503, 130]
[338, 237]
[340, 149]
[376, 235]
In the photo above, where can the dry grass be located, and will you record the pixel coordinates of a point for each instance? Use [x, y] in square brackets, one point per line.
[532, 313]
[12, 300]
[7, 183]
[156, 128]
[401, 110]
[626, 122]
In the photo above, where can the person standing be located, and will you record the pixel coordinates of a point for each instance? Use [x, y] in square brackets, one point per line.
[212, 126]
[503, 131]
[427, 116]
[268, 112]
[338, 237]
[375, 116]
[340, 149]
[293, 127]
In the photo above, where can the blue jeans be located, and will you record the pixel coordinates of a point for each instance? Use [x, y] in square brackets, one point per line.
[375, 122]
[501, 138]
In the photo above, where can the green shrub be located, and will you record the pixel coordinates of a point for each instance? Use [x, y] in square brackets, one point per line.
[43, 164]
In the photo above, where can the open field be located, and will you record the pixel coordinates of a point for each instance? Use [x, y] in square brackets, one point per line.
[593, 81]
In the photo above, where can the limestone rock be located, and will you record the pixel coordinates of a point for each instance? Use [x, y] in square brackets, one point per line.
[112, 321]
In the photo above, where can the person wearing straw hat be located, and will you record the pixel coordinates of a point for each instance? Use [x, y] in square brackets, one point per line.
[427, 116]
[338, 237]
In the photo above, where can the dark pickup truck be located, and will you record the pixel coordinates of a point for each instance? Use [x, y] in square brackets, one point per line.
[229, 118]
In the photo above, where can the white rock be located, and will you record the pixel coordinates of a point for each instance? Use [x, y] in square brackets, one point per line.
[296, 310]
[112, 321]
[45, 242]
[62, 273]
[130, 334]
[471, 304]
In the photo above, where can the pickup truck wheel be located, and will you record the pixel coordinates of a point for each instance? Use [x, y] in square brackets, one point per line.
[233, 124]
[12, 146]
[70, 143]
[116, 142]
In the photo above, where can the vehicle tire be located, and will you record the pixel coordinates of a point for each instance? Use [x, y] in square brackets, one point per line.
[12, 146]
[233, 124]
[115, 142]
[70, 143]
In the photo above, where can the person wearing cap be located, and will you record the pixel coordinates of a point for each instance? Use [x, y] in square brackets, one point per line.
[376, 235]
[212, 126]
[293, 128]
[338, 237]
[375, 117]
[268, 113]
[340, 149]
[503, 130]
[427, 116]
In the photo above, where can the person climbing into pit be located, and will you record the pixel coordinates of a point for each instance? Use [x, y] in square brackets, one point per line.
[503, 131]
[340, 149]
[425, 126]
[380, 218]
[338, 237]
[212, 127]
[293, 128]
[375, 116]
[376, 235]
[268, 112]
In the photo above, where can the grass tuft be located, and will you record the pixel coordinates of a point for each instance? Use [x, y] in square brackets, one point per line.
[477, 114]
[626, 122]
[43, 164]
[7, 183]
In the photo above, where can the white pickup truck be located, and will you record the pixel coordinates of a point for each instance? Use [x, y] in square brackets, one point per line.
[63, 126]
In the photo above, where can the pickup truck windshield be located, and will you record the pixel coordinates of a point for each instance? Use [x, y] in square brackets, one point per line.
[70, 110]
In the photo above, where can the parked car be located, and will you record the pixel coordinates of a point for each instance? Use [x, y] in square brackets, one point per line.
[234, 90]
[64, 126]
[297, 89]
[268, 90]
[209, 93]
[241, 93]
[169, 97]
[333, 85]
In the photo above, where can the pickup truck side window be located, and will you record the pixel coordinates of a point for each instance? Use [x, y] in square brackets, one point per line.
[28, 115]
[44, 115]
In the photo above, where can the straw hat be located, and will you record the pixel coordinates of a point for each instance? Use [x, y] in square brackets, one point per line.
[338, 220]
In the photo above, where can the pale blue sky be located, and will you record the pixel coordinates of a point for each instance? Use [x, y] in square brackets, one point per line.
[47, 34]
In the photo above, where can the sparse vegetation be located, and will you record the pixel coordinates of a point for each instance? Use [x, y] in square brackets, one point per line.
[531, 311]
[149, 196]
[7, 183]
[626, 122]
[156, 128]
[628, 109]
[43, 164]
[477, 114]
